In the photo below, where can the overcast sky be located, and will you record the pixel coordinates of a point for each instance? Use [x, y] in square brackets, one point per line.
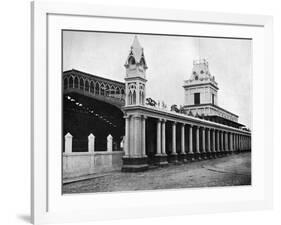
[169, 60]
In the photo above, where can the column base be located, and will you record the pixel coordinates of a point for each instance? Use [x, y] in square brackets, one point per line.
[161, 160]
[204, 155]
[208, 155]
[173, 158]
[198, 156]
[134, 164]
[182, 157]
[190, 157]
[215, 155]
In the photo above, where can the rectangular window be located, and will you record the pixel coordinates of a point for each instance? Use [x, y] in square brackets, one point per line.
[213, 99]
[196, 98]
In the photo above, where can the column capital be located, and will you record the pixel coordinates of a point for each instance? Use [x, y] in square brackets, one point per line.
[164, 120]
[127, 116]
[144, 117]
[137, 116]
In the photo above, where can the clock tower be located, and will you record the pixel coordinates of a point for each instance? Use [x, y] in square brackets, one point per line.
[135, 75]
[201, 88]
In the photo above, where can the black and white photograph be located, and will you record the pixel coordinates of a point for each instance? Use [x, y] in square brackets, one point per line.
[154, 111]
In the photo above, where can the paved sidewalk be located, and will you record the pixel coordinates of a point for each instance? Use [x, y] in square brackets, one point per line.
[226, 171]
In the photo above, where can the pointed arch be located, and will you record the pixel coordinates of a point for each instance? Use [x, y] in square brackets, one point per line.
[97, 88]
[118, 91]
[87, 85]
[134, 97]
[142, 62]
[130, 98]
[81, 83]
[65, 83]
[76, 82]
[92, 87]
[112, 91]
[102, 89]
[70, 82]
[107, 90]
[131, 60]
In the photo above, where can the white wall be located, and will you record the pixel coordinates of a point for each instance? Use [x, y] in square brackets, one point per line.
[15, 109]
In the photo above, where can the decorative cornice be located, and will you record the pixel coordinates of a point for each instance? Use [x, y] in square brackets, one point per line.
[211, 105]
[177, 117]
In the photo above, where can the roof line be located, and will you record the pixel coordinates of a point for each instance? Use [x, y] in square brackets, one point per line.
[88, 74]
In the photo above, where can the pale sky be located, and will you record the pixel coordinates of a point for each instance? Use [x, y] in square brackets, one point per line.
[169, 60]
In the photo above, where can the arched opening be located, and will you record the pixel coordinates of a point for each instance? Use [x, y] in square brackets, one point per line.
[140, 93]
[112, 91]
[122, 93]
[97, 89]
[118, 92]
[130, 98]
[132, 60]
[142, 61]
[134, 97]
[81, 84]
[102, 89]
[65, 83]
[76, 82]
[70, 82]
[87, 85]
[92, 87]
[107, 90]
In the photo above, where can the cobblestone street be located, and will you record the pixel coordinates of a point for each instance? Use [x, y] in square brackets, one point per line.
[226, 171]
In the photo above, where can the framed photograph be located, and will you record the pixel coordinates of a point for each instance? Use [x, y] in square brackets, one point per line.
[141, 112]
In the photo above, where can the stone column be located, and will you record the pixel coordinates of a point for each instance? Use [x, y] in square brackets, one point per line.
[218, 142]
[143, 136]
[198, 156]
[137, 138]
[182, 154]
[135, 160]
[190, 150]
[91, 143]
[236, 143]
[109, 143]
[226, 141]
[173, 156]
[68, 143]
[209, 142]
[161, 157]
[231, 142]
[164, 137]
[203, 143]
[214, 143]
[222, 145]
[239, 142]
[158, 138]
[126, 144]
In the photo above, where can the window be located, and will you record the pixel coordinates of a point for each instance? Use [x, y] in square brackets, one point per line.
[196, 98]
[213, 99]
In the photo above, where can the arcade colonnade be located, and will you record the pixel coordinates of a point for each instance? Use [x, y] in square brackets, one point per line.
[199, 139]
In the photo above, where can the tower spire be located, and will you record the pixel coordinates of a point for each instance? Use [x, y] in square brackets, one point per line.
[135, 75]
